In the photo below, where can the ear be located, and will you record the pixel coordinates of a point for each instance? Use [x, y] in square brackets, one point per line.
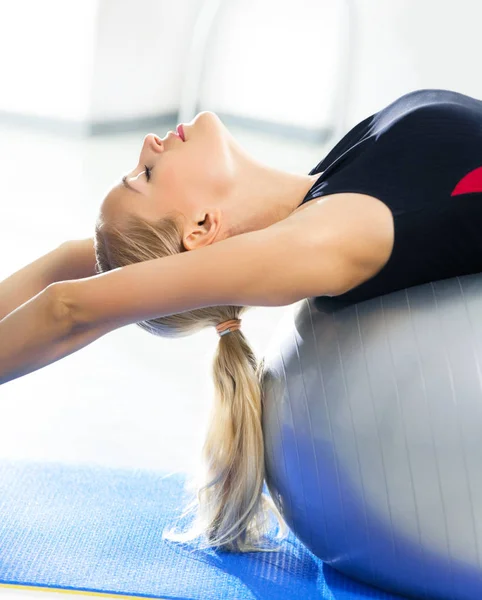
[204, 231]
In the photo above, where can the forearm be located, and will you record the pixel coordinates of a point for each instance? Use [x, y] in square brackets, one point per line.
[32, 336]
[30, 280]
[71, 260]
[41, 332]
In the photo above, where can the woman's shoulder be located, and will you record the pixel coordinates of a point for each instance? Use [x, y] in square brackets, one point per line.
[358, 228]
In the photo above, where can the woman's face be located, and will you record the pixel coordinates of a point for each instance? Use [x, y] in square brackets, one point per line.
[177, 176]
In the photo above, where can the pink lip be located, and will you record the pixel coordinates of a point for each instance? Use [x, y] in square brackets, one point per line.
[180, 132]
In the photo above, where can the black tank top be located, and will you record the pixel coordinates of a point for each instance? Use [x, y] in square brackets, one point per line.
[422, 157]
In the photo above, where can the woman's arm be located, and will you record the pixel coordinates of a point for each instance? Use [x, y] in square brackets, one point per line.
[74, 259]
[39, 333]
[275, 266]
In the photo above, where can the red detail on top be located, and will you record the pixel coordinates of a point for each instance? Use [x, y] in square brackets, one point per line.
[472, 182]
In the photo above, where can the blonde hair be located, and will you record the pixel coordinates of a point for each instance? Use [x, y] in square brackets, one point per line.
[233, 513]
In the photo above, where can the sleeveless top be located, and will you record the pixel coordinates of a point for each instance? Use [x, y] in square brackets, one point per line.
[422, 157]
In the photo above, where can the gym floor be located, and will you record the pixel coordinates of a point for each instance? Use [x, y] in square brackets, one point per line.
[130, 399]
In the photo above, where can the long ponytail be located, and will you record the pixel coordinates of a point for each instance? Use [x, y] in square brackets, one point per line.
[232, 511]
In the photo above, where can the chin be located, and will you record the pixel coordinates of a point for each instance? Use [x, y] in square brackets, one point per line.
[208, 116]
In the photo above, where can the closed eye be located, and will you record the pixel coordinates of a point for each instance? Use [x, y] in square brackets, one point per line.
[148, 172]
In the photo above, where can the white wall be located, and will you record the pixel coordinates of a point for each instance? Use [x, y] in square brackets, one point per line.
[277, 61]
[141, 47]
[258, 63]
[412, 44]
[46, 53]
[108, 60]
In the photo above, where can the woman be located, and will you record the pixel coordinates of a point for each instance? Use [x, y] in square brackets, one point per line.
[401, 206]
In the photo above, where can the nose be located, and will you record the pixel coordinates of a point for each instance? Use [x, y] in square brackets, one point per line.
[152, 145]
[152, 142]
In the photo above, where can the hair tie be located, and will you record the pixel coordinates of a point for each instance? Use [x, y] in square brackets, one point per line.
[228, 326]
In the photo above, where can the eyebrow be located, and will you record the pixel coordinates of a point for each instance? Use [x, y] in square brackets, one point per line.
[127, 185]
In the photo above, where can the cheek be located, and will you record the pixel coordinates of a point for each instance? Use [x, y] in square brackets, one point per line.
[169, 180]
[206, 169]
[173, 187]
[182, 174]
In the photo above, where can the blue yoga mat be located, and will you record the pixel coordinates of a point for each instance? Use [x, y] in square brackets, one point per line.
[95, 529]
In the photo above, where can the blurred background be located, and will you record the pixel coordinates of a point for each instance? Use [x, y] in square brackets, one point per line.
[82, 82]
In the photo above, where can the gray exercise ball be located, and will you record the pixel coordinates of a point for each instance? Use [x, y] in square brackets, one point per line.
[372, 418]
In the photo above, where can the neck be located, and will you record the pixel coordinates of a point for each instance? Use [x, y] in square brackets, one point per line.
[261, 196]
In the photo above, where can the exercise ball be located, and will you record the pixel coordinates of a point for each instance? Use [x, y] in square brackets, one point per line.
[372, 419]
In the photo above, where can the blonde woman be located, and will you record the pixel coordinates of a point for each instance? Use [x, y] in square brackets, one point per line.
[198, 231]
